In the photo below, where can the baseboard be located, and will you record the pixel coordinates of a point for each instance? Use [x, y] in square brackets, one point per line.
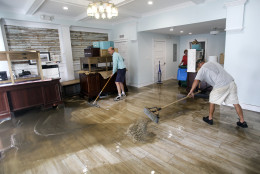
[144, 84]
[247, 107]
[132, 84]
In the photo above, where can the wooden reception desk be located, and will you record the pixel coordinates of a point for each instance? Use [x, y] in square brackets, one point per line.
[14, 97]
[92, 83]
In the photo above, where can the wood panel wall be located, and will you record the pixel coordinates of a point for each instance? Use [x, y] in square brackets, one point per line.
[41, 39]
[23, 38]
[47, 40]
[81, 40]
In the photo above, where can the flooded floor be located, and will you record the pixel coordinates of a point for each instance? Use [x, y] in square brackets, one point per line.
[79, 138]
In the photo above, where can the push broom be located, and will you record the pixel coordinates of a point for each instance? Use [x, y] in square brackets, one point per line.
[153, 113]
[95, 102]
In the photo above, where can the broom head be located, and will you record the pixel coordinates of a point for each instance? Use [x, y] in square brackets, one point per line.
[152, 113]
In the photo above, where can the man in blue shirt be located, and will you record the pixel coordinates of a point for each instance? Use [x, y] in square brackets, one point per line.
[120, 68]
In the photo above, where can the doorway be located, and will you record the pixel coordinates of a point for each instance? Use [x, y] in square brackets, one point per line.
[159, 53]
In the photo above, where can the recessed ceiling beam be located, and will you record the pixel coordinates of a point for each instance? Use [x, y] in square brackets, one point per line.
[33, 6]
[82, 16]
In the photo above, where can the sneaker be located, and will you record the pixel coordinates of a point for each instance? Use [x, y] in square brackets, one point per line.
[243, 125]
[206, 119]
[117, 98]
[123, 95]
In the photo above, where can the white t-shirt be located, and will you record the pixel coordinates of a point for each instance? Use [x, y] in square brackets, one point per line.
[214, 74]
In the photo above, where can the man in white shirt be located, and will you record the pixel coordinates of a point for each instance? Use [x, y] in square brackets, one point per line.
[224, 89]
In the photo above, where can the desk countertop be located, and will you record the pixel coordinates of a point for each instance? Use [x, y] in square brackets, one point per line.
[26, 82]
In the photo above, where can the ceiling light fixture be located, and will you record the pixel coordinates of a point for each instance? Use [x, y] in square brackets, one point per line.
[150, 2]
[171, 29]
[181, 31]
[102, 9]
[190, 33]
[65, 8]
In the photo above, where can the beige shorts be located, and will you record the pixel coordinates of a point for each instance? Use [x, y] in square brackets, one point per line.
[227, 94]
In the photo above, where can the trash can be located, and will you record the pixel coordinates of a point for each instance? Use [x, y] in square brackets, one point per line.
[182, 76]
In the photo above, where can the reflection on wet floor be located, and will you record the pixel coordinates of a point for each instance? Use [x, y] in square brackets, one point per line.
[79, 138]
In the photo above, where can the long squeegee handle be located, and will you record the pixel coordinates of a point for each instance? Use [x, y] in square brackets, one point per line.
[102, 89]
[177, 101]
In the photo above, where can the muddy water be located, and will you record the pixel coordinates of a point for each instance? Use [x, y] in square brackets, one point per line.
[35, 136]
[138, 131]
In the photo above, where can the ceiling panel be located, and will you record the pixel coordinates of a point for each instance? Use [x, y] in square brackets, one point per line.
[13, 4]
[56, 8]
[141, 6]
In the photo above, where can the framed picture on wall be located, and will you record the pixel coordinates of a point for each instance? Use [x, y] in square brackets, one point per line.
[45, 56]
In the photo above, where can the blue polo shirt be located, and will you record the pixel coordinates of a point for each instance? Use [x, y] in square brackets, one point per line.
[118, 62]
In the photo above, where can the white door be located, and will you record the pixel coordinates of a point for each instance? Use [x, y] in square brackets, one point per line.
[159, 53]
[123, 51]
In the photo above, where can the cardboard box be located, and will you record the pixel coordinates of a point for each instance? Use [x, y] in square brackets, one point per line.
[221, 58]
[104, 53]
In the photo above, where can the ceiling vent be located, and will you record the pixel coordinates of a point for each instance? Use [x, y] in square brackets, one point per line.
[47, 18]
[214, 31]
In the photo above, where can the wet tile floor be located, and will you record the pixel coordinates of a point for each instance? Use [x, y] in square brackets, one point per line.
[79, 138]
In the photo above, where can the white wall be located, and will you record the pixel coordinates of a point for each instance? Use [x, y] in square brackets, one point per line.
[145, 60]
[242, 59]
[128, 29]
[215, 44]
[140, 50]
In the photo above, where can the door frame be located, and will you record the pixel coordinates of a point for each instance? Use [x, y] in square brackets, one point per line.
[201, 39]
[158, 40]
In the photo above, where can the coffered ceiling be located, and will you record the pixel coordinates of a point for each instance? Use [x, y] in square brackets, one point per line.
[128, 9]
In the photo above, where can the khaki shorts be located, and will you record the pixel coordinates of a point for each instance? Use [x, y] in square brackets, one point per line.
[227, 94]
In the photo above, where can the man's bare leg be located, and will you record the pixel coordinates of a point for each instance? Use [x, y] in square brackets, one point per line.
[211, 110]
[118, 88]
[122, 87]
[239, 112]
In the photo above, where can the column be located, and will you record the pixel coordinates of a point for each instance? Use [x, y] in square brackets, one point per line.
[66, 66]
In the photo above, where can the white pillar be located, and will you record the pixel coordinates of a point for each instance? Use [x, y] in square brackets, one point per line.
[235, 15]
[3, 41]
[3, 47]
[66, 69]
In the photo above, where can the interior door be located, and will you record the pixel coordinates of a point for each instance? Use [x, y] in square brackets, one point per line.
[123, 51]
[159, 53]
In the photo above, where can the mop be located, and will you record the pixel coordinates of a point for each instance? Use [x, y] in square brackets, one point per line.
[95, 102]
[153, 113]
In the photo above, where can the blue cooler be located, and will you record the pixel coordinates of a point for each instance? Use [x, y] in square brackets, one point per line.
[96, 44]
[182, 74]
[104, 45]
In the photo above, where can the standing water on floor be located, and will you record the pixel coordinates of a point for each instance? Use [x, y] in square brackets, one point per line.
[119, 138]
